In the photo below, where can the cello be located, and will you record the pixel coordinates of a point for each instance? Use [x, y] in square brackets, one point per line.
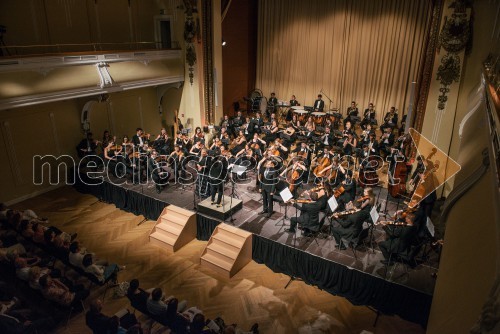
[319, 170]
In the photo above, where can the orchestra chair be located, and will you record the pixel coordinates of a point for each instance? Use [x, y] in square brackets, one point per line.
[357, 241]
[319, 234]
[407, 258]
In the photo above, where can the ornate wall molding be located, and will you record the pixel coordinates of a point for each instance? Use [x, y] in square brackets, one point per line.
[208, 66]
[427, 69]
[190, 31]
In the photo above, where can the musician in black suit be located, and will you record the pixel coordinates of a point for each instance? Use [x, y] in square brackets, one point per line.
[87, 146]
[349, 193]
[309, 215]
[256, 123]
[228, 124]
[293, 103]
[203, 167]
[137, 139]
[319, 104]
[399, 238]
[352, 111]
[159, 175]
[386, 142]
[238, 121]
[403, 125]
[217, 174]
[351, 226]
[268, 177]
[328, 138]
[368, 116]
[272, 104]
[390, 120]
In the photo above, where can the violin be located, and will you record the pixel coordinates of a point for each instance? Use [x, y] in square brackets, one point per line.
[344, 213]
[116, 147]
[339, 191]
[362, 199]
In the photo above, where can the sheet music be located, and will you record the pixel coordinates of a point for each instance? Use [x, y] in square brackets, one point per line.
[430, 226]
[332, 202]
[286, 194]
[239, 170]
[374, 214]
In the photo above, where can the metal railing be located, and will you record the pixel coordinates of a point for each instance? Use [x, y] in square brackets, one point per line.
[44, 49]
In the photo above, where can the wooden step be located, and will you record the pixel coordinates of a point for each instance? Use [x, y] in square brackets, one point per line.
[228, 250]
[162, 240]
[225, 251]
[175, 225]
[177, 220]
[172, 228]
[217, 262]
[227, 240]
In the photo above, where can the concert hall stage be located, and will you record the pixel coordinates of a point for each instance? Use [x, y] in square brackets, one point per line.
[363, 281]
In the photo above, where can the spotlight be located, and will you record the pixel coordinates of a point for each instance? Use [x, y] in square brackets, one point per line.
[224, 43]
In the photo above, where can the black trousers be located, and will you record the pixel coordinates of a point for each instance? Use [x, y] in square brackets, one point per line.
[217, 188]
[268, 200]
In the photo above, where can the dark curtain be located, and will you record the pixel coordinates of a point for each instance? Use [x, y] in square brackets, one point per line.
[358, 287]
[205, 226]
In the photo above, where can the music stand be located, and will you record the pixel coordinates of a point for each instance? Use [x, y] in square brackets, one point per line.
[285, 195]
[294, 239]
[239, 170]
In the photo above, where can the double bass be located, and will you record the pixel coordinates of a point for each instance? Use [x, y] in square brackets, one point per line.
[400, 174]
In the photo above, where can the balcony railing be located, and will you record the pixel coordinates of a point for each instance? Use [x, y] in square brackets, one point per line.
[45, 49]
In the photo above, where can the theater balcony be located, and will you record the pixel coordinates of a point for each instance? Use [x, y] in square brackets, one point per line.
[43, 74]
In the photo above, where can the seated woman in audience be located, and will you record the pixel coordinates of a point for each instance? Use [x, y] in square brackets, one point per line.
[76, 254]
[26, 229]
[102, 273]
[54, 290]
[198, 325]
[177, 321]
[34, 275]
[15, 248]
[137, 296]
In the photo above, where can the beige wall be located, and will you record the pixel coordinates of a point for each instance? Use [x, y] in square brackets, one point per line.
[54, 128]
[470, 257]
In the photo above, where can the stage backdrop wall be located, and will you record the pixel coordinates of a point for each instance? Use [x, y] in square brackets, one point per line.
[367, 51]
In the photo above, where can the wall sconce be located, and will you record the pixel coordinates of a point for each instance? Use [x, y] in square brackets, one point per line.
[224, 42]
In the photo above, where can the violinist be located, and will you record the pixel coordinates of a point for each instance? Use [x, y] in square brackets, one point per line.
[246, 153]
[390, 119]
[351, 227]
[158, 174]
[182, 141]
[335, 173]
[197, 148]
[368, 116]
[162, 143]
[273, 128]
[87, 146]
[352, 111]
[309, 215]
[239, 143]
[386, 142]
[126, 143]
[278, 149]
[215, 147]
[199, 135]
[176, 158]
[106, 138]
[400, 237]
[349, 192]
[226, 154]
[110, 157]
[349, 144]
[139, 138]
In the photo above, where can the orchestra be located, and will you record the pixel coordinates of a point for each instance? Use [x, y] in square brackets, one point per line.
[288, 150]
